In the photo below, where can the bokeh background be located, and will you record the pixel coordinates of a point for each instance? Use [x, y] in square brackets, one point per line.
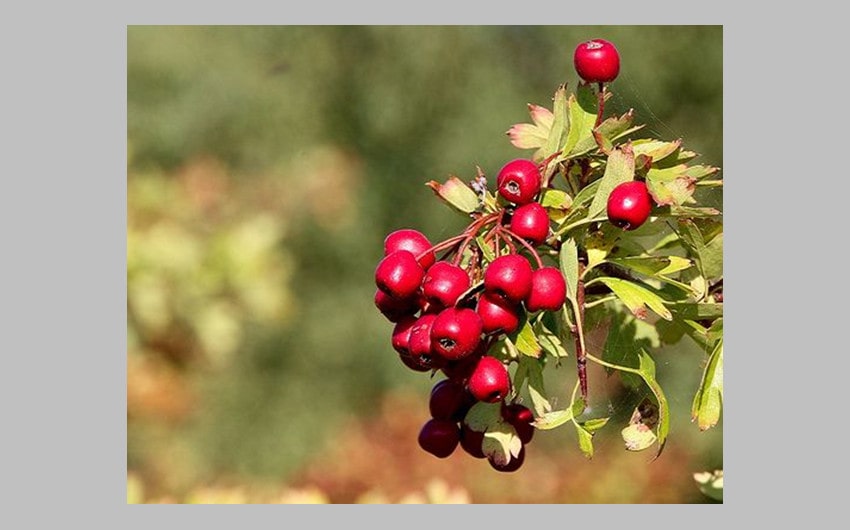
[265, 166]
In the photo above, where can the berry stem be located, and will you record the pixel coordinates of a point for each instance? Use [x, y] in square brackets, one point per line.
[601, 106]
[524, 243]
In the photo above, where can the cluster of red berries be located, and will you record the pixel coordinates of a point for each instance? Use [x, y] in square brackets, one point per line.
[447, 316]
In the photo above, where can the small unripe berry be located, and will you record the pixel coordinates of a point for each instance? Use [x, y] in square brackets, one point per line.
[443, 283]
[597, 61]
[629, 205]
[439, 437]
[519, 181]
[456, 333]
[490, 381]
[509, 277]
[413, 241]
[399, 275]
[548, 290]
[531, 221]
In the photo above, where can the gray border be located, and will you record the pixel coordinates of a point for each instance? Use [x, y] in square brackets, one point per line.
[72, 258]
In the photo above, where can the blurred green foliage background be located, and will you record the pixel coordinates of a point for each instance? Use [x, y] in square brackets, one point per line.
[265, 167]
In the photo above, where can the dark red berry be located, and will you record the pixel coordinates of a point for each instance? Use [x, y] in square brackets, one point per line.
[413, 241]
[531, 221]
[511, 465]
[448, 401]
[498, 315]
[471, 441]
[597, 61]
[455, 333]
[521, 418]
[461, 369]
[401, 334]
[509, 277]
[548, 290]
[399, 275]
[395, 309]
[415, 363]
[490, 381]
[419, 344]
[519, 181]
[439, 437]
[444, 283]
[629, 205]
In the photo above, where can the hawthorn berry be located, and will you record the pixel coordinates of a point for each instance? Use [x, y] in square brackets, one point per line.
[394, 309]
[509, 277]
[399, 275]
[597, 61]
[448, 400]
[413, 241]
[548, 290]
[498, 315]
[519, 181]
[419, 344]
[521, 418]
[439, 437]
[456, 333]
[401, 334]
[489, 381]
[471, 441]
[511, 465]
[629, 205]
[531, 221]
[444, 283]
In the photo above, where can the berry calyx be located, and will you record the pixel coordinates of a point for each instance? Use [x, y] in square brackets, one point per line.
[413, 241]
[629, 205]
[519, 181]
[456, 333]
[531, 221]
[444, 283]
[399, 275]
[548, 290]
[439, 437]
[597, 61]
[490, 381]
[509, 277]
[498, 315]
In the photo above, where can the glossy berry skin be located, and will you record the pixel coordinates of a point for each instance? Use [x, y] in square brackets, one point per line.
[444, 283]
[513, 464]
[521, 418]
[395, 309]
[509, 277]
[399, 275]
[448, 401]
[461, 369]
[419, 345]
[413, 241]
[471, 441]
[597, 61]
[531, 222]
[401, 334]
[498, 315]
[490, 381]
[629, 205]
[414, 363]
[439, 437]
[519, 181]
[456, 333]
[548, 290]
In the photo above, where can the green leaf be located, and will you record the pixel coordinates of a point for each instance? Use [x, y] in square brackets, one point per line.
[586, 194]
[501, 443]
[607, 132]
[653, 265]
[560, 123]
[697, 311]
[692, 211]
[620, 168]
[556, 418]
[585, 441]
[456, 194]
[712, 258]
[637, 298]
[482, 415]
[526, 341]
[709, 398]
[626, 337]
[533, 371]
[599, 243]
[710, 483]
[569, 266]
[594, 424]
[556, 199]
[673, 193]
[646, 368]
[549, 341]
[582, 117]
[707, 252]
[655, 149]
[486, 249]
[638, 437]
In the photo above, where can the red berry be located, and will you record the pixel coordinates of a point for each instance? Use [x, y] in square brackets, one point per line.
[548, 290]
[448, 401]
[531, 221]
[498, 315]
[419, 344]
[521, 418]
[414, 363]
[401, 334]
[597, 61]
[395, 309]
[629, 205]
[439, 437]
[519, 181]
[461, 369]
[471, 441]
[509, 277]
[490, 381]
[456, 333]
[512, 465]
[413, 241]
[444, 283]
[399, 275]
